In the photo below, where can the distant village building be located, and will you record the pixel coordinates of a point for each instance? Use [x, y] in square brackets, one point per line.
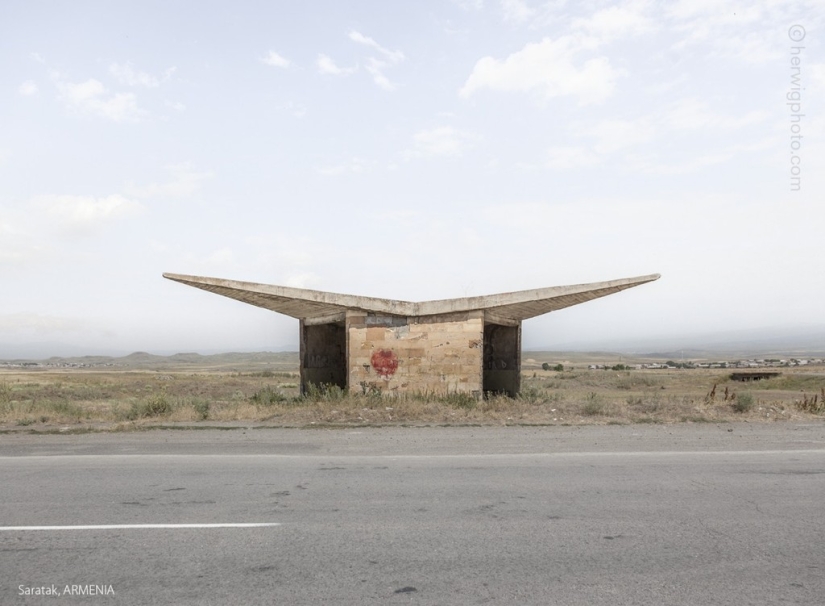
[468, 345]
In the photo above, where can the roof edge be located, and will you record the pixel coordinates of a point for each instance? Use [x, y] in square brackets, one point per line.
[270, 296]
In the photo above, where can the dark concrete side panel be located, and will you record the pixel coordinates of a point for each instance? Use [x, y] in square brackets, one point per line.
[502, 359]
[323, 355]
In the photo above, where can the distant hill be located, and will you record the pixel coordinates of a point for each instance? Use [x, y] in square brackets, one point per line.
[226, 362]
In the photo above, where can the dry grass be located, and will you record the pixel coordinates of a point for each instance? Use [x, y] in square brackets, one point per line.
[123, 399]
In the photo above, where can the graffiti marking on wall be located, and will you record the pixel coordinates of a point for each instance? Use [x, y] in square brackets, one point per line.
[385, 362]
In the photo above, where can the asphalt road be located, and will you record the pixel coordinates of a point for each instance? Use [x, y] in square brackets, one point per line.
[729, 514]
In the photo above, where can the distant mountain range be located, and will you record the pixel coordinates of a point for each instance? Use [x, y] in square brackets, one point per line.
[794, 342]
[45, 350]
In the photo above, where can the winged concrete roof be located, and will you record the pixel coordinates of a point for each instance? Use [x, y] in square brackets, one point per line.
[316, 306]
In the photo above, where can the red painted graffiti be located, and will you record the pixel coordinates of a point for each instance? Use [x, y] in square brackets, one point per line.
[385, 362]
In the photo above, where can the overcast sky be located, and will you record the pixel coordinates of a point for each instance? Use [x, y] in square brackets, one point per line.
[415, 151]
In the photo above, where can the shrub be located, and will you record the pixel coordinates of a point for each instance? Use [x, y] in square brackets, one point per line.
[545, 366]
[743, 402]
[155, 406]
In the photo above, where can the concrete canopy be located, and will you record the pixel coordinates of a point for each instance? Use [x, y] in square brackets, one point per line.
[469, 345]
[319, 307]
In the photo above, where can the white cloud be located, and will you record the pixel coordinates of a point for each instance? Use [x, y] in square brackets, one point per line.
[184, 181]
[615, 22]
[655, 165]
[817, 74]
[441, 141]
[38, 57]
[127, 75]
[607, 137]
[613, 135]
[221, 257]
[176, 105]
[356, 165]
[296, 109]
[469, 5]
[560, 67]
[39, 323]
[375, 67]
[547, 68]
[23, 236]
[748, 32]
[92, 97]
[85, 213]
[302, 280]
[516, 11]
[565, 158]
[665, 86]
[692, 114]
[275, 60]
[287, 249]
[27, 88]
[327, 66]
[393, 56]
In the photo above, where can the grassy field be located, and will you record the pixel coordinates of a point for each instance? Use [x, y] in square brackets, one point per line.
[55, 399]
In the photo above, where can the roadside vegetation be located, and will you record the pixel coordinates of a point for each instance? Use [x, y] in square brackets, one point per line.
[551, 394]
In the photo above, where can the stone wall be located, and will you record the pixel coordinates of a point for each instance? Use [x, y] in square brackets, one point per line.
[430, 354]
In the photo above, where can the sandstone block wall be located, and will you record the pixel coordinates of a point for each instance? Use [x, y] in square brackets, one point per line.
[430, 354]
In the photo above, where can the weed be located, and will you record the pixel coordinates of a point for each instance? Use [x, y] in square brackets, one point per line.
[593, 405]
[202, 408]
[812, 404]
[267, 396]
[568, 375]
[5, 392]
[531, 394]
[792, 382]
[459, 400]
[324, 392]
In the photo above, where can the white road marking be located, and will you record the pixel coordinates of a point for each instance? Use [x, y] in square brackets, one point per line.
[142, 526]
[333, 458]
